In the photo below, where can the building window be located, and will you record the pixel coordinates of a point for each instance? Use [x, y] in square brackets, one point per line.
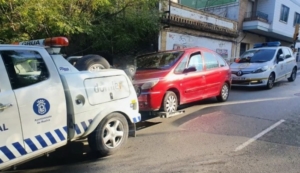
[297, 19]
[284, 15]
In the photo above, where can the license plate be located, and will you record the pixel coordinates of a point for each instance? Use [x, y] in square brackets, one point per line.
[238, 78]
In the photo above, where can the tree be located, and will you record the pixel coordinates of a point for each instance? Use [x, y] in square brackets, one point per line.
[108, 24]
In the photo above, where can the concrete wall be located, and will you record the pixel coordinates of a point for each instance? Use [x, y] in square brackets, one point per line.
[230, 11]
[176, 40]
[243, 9]
[190, 13]
[180, 37]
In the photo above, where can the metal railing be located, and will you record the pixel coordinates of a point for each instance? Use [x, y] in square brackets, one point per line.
[256, 15]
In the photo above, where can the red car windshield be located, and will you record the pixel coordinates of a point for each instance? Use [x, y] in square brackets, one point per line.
[163, 60]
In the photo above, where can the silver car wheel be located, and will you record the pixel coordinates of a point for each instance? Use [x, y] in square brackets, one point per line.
[113, 133]
[224, 92]
[171, 104]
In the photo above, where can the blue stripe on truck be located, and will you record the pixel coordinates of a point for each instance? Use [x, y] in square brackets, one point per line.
[82, 126]
[19, 147]
[31, 144]
[7, 152]
[51, 138]
[60, 135]
[10, 152]
[41, 141]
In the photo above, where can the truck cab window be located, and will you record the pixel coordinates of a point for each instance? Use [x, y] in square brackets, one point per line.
[24, 68]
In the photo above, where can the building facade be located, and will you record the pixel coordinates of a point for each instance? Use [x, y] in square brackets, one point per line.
[258, 20]
[188, 27]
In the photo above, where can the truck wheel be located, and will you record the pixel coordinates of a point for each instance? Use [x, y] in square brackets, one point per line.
[110, 135]
[170, 102]
[92, 63]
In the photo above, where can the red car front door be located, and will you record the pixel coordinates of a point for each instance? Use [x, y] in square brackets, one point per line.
[193, 83]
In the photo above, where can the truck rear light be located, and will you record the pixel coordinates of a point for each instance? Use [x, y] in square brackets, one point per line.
[56, 42]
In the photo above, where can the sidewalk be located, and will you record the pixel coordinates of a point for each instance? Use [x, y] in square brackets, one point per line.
[298, 65]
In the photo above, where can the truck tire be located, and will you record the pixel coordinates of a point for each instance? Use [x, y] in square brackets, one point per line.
[110, 135]
[92, 63]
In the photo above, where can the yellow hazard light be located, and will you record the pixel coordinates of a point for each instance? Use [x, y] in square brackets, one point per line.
[133, 104]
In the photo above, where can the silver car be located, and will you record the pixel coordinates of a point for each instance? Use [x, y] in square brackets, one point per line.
[264, 65]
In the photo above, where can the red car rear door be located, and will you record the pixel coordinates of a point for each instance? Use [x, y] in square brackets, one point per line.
[212, 74]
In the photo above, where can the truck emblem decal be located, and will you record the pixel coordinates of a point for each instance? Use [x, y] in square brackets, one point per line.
[31, 42]
[63, 68]
[41, 106]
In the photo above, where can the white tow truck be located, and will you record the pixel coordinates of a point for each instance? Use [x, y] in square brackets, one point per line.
[45, 102]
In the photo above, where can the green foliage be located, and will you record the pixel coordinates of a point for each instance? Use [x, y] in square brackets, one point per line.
[98, 24]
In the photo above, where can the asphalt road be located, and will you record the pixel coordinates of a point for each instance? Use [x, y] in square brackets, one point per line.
[256, 130]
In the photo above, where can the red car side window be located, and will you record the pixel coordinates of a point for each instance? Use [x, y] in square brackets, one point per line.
[181, 66]
[221, 60]
[210, 61]
[196, 61]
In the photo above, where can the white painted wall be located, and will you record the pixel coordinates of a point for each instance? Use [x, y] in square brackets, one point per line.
[175, 40]
[268, 7]
[201, 17]
[273, 9]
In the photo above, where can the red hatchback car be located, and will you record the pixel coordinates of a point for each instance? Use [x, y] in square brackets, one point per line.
[165, 80]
